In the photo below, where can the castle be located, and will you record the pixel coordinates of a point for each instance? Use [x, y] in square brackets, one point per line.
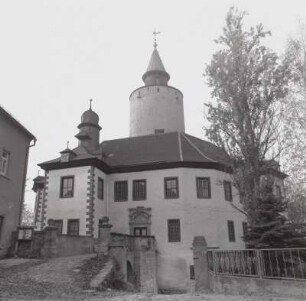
[158, 182]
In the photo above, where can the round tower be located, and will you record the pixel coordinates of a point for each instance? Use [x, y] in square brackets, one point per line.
[89, 134]
[156, 108]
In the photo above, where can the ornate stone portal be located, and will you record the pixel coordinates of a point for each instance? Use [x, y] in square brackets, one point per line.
[140, 221]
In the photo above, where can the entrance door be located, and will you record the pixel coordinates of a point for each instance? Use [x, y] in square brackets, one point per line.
[140, 231]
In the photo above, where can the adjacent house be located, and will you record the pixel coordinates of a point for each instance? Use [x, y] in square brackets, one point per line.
[15, 142]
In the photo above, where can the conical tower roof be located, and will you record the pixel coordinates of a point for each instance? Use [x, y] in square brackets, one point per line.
[156, 63]
[156, 73]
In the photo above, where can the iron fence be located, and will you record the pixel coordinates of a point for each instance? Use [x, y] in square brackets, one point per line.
[262, 263]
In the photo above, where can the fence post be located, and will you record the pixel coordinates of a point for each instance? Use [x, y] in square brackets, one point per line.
[200, 264]
[259, 263]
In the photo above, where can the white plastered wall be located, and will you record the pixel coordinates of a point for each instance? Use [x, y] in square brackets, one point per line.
[68, 208]
[156, 107]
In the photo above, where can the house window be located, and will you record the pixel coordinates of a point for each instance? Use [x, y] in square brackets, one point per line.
[121, 191]
[231, 231]
[58, 223]
[1, 224]
[244, 228]
[67, 184]
[278, 191]
[100, 188]
[203, 188]
[174, 231]
[140, 231]
[192, 274]
[139, 190]
[159, 131]
[73, 227]
[228, 191]
[4, 162]
[171, 188]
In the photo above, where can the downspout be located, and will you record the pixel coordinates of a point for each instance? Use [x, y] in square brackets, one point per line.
[25, 178]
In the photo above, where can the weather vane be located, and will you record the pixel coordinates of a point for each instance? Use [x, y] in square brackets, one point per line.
[90, 101]
[155, 33]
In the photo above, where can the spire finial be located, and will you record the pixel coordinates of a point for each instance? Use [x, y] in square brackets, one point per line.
[155, 33]
[67, 144]
[90, 101]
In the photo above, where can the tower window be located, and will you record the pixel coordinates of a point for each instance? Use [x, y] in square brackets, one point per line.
[174, 230]
[203, 188]
[139, 190]
[159, 131]
[67, 184]
[231, 231]
[73, 227]
[100, 188]
[228, 191]
[171, 188]
[121, 191]
[278, 191]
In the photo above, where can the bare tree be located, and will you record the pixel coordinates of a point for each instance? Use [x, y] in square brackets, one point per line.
[247, 82]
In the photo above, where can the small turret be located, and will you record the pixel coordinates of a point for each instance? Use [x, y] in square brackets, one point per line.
[89, 134]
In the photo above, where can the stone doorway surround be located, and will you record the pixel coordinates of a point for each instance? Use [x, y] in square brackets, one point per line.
[140, 217]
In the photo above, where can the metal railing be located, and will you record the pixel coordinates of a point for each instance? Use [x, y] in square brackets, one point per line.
[262, 263]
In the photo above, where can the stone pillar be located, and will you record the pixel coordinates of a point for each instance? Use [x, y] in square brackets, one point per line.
[200, 264]
[49, 249]
[104, 235]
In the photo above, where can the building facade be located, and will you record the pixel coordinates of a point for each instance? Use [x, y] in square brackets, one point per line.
[158, 182]
[15, 141]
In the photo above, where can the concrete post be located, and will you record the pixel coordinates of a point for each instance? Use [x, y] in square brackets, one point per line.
[104, 235]
[200, 264]
[49, 249]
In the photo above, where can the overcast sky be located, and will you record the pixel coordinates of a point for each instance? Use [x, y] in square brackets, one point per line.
[56, 55]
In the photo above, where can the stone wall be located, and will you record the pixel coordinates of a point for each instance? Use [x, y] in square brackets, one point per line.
[138, 252]
[247, 285]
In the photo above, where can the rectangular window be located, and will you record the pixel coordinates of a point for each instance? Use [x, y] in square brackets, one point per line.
[171, 188]
[174, 230]
[58, 223]
[140, 231]
[73, 227]
[244, 228]
[100, 188]
[139, 190]
[231, 231]
[278, 191]
[192, 275]
[159, 131]
[67, 184]
[4, 161]
[203, 188]
[121, 191]
[228, 191]
[1, 224]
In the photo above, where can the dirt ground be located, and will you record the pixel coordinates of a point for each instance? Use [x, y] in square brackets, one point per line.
[57, 279]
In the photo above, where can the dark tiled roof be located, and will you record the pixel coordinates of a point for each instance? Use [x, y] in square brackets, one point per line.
[16, 123]
[150, 152]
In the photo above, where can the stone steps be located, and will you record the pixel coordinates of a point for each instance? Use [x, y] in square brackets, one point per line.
[98, 279]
